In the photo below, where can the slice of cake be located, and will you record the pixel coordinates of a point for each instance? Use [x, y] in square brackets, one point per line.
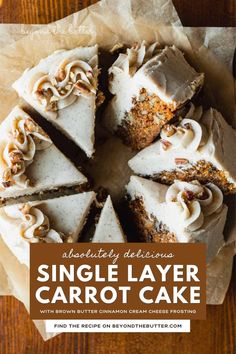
[29, 161]
[203, 150]
[150, 85]
[62, 88]
[183, 212]
[108, 229]
[51, 221]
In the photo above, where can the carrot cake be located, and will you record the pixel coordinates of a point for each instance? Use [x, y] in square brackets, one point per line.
[183, 212]
[51, 221]
[204, 150]
[150, 86]
[62, 88]
[29, 161]
[108, 229]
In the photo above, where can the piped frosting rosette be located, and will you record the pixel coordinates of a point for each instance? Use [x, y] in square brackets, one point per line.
[25, 137]
[59, 89]
[189, 135]
[135, 57]
[34, 224]
[191, 202]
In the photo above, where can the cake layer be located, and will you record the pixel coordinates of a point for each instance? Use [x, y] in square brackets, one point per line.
[108, 229]
[29, 161]
[62, 88]
[183, 212]
[203, 150]
[56, 220]
[150, 86]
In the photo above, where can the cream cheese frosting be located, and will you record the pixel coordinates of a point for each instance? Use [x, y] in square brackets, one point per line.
[191, 211]
[62, 88]
[163, 72]
[57, 81]
[34, 225]
[51, 221]
[21, 137]
[29, 161]
[209, 139]
[193, 202]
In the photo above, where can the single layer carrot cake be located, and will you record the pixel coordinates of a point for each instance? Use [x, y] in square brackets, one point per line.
[204, 150]
[29, 161]
[108, 228]
[51, 221]
[150, 85]
[62, 88]
[183, 212]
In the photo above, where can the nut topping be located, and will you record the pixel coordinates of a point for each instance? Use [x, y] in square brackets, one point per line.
[25, 209]
[100, 98]
[82, 87]
[61, 74]
[30, 125]
[165, 144]
[188, 196]
[7, 178]
[181, 161]
[17, 168]
[169, 130]
[16, 156]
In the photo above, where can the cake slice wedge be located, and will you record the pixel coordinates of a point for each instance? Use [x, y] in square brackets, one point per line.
[62, 88]
[203, 150]
[29, 161]
[51, 221]
[183, 212]
[150, 86]
[108, 229]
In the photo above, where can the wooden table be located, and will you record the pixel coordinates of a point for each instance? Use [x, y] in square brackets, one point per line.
[216, 335]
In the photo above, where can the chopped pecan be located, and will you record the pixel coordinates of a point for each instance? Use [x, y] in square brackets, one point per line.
[6, 184]
[30, 125]
[61, 74]
[189, 195]
[16, 168]
[203, 195]
[181, 161]
[82, 87]
[25, 209]
[169, 130]
[165, 144]
[100, 98]
[16, 156]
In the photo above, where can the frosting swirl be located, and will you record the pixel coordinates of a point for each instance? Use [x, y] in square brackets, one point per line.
[24, 138]
[189, 135]
[72, 78]
[136, 56]
[192, 202]
[34, 226]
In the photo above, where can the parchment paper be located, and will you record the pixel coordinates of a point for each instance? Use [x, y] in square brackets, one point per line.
[107, 23]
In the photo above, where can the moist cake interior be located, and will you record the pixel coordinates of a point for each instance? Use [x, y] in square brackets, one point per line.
[149, 229]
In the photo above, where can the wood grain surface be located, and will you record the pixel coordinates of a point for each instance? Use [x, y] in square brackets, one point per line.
[216, 335]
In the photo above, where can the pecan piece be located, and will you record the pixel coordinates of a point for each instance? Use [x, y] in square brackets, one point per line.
[165, 144]
[16, 156]
[30, 125]
[25, 209]
[189, 195]
[100, 98]
[16, 168]
[169, 130]
[61, 74]
[181, 161]
[7, 178]
[82, 87]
